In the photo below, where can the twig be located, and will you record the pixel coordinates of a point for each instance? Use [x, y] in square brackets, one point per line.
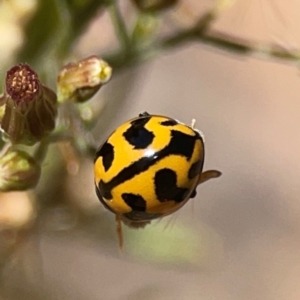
[201, 33]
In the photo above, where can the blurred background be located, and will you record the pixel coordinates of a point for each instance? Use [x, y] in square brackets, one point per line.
[240, 237]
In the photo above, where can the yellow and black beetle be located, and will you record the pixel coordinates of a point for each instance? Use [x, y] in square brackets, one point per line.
[148, 168]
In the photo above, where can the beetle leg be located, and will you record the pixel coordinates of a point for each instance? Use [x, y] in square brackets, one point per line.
[209, 175]
[119, 232]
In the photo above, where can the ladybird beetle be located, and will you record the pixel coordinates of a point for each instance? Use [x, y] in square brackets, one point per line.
[149, 167]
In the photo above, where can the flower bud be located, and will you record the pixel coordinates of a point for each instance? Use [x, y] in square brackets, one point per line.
[154, 5]
[30, 107]
[18, 171]
[78, 82]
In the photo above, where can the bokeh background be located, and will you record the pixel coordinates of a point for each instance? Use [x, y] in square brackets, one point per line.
[240, 237]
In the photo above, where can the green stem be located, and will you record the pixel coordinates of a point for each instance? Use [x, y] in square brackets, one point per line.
[41, 151]
[119, 26]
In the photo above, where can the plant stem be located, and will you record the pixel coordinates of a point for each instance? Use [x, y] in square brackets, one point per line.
[202, 33]
[41, 151]
[119, 26]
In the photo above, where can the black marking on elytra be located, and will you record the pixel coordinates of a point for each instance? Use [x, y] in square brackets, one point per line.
[101, 199]
[140, 216]
[107, 154]
[104, 190]
[136, 202]
[166, 187]
[139, 137]
[170, 122]
[180, 144]
[195, 169]
[144, 114]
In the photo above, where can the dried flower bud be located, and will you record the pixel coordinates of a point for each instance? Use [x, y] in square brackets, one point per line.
[18, 171]
[22, 84]
[78, 82]
[154, 5]
[30, 107]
